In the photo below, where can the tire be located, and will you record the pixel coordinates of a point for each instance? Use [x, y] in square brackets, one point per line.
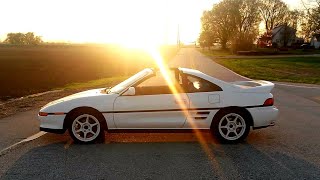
[86, 127]
[230, 126]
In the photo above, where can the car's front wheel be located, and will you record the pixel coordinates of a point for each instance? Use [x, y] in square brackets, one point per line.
[231, 126]
[86, 128]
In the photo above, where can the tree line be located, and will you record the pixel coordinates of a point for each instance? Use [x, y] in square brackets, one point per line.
[28, 38]
[236, 22]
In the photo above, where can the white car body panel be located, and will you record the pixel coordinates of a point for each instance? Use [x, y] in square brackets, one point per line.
[92, 98]
[201, 114]
[263, 116]
[195, 121]
[163, 111]
[148, 116]
[52, 122]
[109, 119]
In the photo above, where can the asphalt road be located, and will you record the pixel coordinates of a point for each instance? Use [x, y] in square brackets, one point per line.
[289, 150]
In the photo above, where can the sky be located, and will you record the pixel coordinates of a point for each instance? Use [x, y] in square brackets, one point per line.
[127, 22]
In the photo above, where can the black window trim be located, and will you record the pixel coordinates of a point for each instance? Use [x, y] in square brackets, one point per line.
[197, 77]
[177, 73]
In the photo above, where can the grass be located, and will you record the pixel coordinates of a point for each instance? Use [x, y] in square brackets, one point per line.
[262, 51]
[27, 70]
[99, 83]
[293, 69]
[215, 52]
[288, 52]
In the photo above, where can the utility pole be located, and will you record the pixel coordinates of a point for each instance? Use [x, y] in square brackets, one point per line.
[178, 36]
[166, 24]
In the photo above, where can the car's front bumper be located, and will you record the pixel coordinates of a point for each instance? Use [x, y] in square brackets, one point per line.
[263, 116]
[52, 123]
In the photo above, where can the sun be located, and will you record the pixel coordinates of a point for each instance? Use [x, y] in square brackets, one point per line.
[148, 46]
[134, 24]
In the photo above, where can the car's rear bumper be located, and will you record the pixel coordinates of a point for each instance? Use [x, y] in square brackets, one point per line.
[52, 123]
[263, 116]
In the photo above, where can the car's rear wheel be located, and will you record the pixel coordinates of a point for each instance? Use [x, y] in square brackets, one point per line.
[231, 126]
[86, 128]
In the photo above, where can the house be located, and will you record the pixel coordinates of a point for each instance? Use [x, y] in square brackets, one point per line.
[315, 41]
[280, 36]
[284, 36]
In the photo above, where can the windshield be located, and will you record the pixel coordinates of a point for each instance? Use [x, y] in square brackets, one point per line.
[123, 85]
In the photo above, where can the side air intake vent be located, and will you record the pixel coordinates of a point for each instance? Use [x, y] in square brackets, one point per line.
[201, 115]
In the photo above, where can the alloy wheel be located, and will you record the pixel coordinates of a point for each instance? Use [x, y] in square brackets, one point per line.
[86, 128]
[232, 126]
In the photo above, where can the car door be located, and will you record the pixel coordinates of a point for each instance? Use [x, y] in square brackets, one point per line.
[204, 101]
[155, 105]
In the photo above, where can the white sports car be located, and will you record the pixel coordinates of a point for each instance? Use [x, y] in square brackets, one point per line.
[180, 98]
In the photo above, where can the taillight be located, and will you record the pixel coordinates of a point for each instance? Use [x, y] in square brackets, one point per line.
[43, 114]
[268, 102]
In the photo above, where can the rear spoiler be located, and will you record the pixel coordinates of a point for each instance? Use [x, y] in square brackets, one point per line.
[256, 86]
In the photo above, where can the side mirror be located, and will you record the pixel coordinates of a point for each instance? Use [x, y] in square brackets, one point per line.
[130, 92]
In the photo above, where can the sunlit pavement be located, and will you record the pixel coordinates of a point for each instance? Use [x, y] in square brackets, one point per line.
[289, 150]
[155, 156]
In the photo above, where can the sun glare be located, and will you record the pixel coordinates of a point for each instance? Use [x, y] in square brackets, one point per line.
[143, 45]
[134, 24]
[164, 69]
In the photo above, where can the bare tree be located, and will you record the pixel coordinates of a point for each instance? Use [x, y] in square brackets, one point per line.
[292, 21]
[311, 23]
[247, 24]
[207, 37]
[273, 13]
[15, 38]
[222, 22]
[31, 39]
[235, 21]
[23, 39]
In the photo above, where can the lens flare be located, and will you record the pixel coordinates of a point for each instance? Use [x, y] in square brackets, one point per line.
[164, 69]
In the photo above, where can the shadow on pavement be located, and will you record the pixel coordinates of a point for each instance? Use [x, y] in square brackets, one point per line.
[157, 160]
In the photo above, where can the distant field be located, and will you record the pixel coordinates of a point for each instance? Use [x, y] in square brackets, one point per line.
[29, 70]
[293, 69]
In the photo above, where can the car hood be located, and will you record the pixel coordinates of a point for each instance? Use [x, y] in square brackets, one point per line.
[89, 93]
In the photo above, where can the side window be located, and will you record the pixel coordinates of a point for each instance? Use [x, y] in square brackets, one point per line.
[157, 80]
[157, 84]
[194, 84]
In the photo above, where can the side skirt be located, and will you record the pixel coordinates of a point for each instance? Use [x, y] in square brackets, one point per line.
[56, 131]
[156, 130]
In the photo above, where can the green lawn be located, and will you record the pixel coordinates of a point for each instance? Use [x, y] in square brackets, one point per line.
[215, 52]
[293, 69]
[260, 51]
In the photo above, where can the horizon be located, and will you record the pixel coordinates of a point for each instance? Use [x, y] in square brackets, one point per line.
[102, 22]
